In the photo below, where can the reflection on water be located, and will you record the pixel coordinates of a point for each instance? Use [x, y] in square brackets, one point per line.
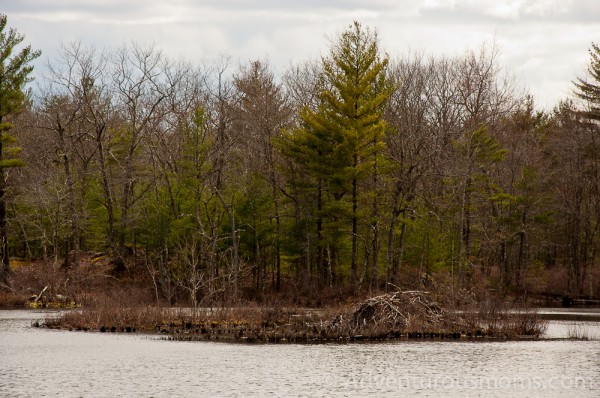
[573, 329]
[39, 362]
[570, 314]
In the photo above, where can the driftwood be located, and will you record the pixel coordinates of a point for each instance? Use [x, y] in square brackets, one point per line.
[39, 296]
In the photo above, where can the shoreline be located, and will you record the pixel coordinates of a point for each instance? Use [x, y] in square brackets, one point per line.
[313, 326]
[398, 315]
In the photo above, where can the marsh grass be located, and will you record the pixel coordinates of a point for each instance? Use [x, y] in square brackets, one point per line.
[495, 317]
[577, 331]
[396, 315]
[11, 299]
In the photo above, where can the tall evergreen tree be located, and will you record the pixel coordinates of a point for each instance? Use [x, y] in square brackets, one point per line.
[590, 90]
[354, 107]
[14, 75]
[341, 141]
[587, 220]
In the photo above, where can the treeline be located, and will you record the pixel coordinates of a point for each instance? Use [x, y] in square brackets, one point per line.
[342, 175]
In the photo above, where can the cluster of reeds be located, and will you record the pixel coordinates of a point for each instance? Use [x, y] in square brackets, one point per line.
[107, 318]
[498, 318]
[578, 332]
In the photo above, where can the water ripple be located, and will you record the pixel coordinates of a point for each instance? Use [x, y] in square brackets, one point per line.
[43, 363]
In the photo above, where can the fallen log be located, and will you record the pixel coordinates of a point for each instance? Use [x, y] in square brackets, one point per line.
[39, 296]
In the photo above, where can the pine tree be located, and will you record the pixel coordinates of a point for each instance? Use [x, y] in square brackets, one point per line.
[590, 91]
[14, 75]
[340, 142]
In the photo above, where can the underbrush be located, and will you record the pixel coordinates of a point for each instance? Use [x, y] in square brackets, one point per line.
[439, 308]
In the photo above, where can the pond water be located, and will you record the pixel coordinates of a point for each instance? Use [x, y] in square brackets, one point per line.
[46, 363]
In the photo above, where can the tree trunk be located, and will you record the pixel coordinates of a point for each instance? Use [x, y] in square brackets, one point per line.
[277, 234]
[5, 267]
[521, 258]
[320, 249]
[375, 227]
[74, 215]
[234, 248]
[354, 264]
[108, 197]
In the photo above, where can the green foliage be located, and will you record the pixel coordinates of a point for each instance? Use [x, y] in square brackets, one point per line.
[14, 70]
[255, 213]
[9, 153]
[14, 75]
[428, 246]
[480, 148]
[8, 163]
[589, 90]
[340, 143]
[96, 228]
[352, 109]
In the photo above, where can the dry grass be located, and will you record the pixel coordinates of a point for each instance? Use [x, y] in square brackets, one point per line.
[391, 316]
[497, 318]
[107, 318]
[577, 331]
[111, 304]
[10, 299]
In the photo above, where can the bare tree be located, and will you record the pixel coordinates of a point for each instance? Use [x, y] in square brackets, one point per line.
[263, 113]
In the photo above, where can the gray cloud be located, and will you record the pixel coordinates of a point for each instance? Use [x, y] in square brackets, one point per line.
[544, 42]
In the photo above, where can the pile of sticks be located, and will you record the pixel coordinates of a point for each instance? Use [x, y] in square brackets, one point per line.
[399, 310]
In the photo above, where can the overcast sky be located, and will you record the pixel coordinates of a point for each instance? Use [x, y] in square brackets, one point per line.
[543, 43]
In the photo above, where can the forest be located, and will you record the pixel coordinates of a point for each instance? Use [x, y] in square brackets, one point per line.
[350, 174]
